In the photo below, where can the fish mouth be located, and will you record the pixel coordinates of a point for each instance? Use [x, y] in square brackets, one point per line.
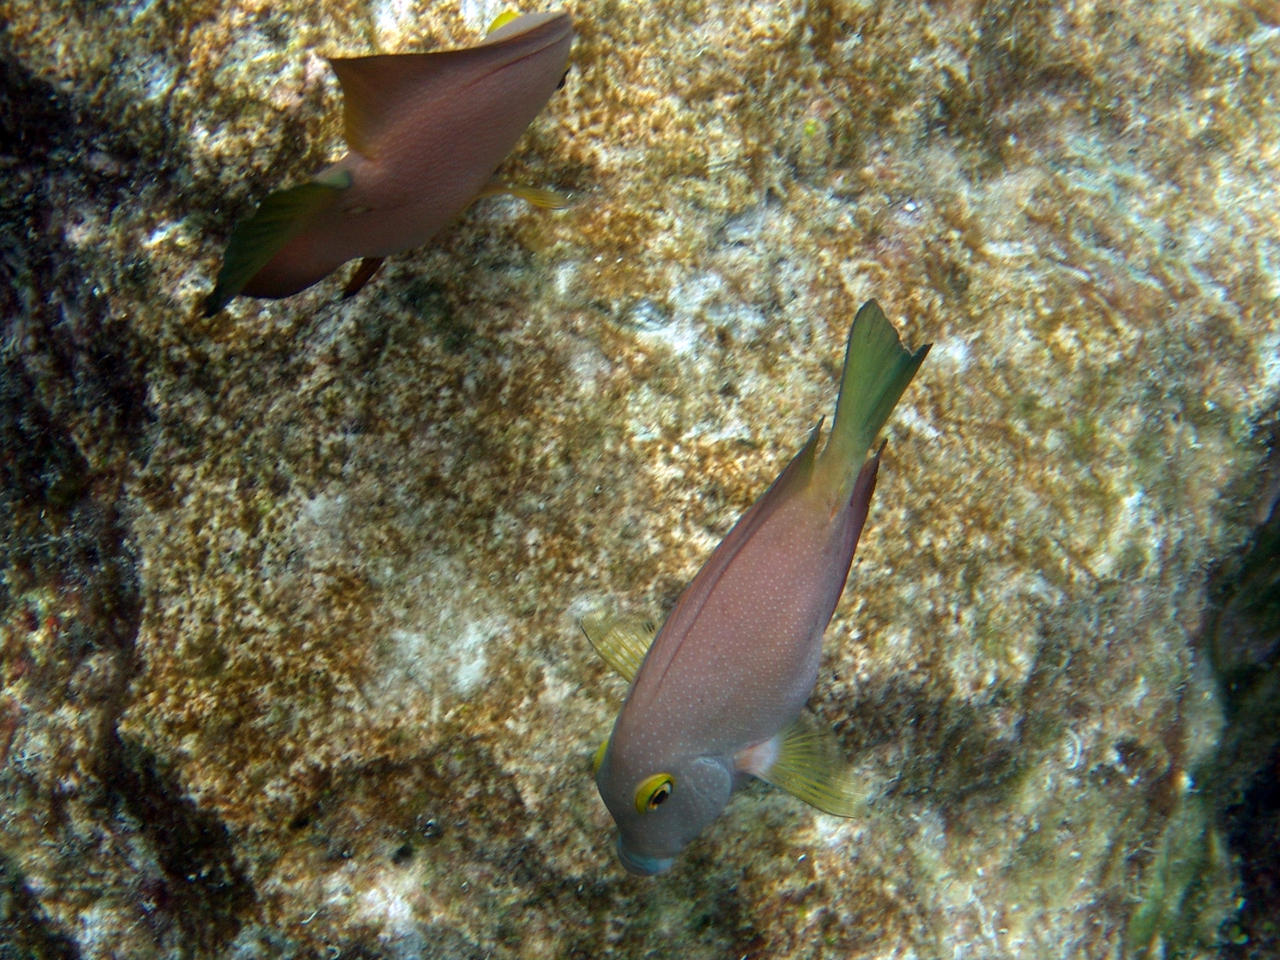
[642, 866]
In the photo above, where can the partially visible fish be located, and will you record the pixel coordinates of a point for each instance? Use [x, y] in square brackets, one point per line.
[718, 695]
[426, 132]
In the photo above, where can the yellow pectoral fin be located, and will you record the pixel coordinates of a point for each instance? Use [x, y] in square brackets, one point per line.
[502, 19]
[804, 760]
[597, 758]
[622, 642]
[543, 199]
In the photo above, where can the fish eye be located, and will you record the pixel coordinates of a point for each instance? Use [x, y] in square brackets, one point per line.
[653, 792]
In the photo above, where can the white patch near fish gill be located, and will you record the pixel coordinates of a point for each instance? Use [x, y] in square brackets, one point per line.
[759, 759]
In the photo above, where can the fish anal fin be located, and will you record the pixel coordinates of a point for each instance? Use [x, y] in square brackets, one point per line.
[253, 243]
[804, 760]
[622, 642]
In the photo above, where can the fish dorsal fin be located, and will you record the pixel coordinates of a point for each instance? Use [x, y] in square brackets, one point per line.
[622, 642]
[690, 605]
[377, 89]
[276, 221]
[804, 760]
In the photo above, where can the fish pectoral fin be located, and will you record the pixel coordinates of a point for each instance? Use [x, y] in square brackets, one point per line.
[543, 199]
[622, 642]
[502, 19]
[597, 758]
[805, 761]
[255, 241]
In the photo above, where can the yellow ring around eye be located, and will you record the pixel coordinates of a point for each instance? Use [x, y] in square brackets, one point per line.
[653, 791]
[598, 757]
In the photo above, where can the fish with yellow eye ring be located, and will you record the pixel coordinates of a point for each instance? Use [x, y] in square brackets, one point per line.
[653, 792]
[718, 695]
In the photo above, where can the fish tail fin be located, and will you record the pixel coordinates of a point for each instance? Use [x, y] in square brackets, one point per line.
[253, 243]
[877, 368]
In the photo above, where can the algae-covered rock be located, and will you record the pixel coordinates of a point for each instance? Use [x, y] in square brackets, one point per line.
[290, 656]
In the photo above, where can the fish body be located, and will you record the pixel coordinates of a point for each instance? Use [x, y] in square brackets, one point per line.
[426, 132]
[720, 689]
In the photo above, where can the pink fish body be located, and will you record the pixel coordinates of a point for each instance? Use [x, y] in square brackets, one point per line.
[426, 132]
[729, 672]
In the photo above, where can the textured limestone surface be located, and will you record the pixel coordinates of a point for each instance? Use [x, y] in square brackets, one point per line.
[291, 664]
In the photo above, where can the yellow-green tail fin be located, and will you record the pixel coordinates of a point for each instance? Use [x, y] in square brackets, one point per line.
[877, 368]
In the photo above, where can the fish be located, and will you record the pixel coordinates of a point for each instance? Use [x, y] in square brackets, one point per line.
[717, 696]
[425, 133]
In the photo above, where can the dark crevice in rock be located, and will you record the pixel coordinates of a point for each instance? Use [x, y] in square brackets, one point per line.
[1241, 640]
[74, 423]
[1254, 826]
[202, 889]
[25, 931]
[59, 334]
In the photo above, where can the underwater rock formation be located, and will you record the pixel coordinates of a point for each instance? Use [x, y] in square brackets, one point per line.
[290, 660]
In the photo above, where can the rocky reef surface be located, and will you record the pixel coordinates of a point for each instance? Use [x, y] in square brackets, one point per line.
[289, 597]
